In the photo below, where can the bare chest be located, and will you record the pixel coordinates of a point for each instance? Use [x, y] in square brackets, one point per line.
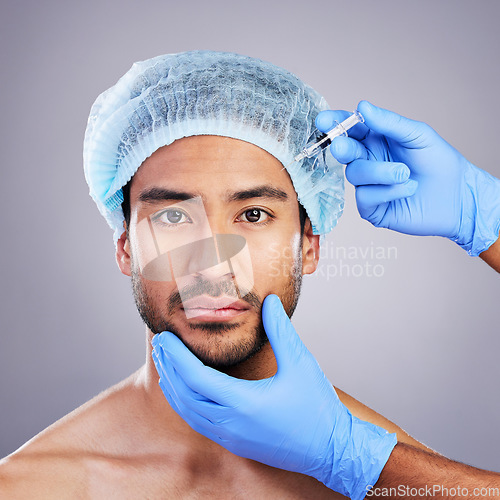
[150, 481]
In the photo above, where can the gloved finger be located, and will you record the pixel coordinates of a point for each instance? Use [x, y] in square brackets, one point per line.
[286, 344]
[173, 391]
[168, 372]
[191, 399]
[165, 389]
[158, 364]
[369, 197]
[211, 383]
[168, 396]
[328, 119]
[362, 172]
[345, 150]
[392, 125]
[168, 390]
[197, 422]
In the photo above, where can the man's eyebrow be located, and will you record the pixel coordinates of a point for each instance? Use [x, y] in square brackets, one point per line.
[158, 194]
[257, 192]
[155, 194]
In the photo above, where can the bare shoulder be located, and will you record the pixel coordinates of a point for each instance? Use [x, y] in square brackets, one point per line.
[87, 428]
[39, 475]
[59, 461]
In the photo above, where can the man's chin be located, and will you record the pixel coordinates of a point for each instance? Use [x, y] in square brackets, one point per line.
[209, 343]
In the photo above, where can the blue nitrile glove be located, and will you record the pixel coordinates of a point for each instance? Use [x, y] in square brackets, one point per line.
[411, 180]
[293, 420]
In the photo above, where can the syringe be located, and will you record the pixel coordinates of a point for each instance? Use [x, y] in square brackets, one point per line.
[313, 148]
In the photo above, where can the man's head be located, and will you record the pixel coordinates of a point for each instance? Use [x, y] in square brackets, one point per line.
[215, 209]
[245, 192]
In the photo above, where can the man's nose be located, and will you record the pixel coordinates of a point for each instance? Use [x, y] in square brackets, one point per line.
[208, 256]
[227, 246]
[203, 256]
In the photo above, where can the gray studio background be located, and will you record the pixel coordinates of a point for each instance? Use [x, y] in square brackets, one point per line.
[419, 341]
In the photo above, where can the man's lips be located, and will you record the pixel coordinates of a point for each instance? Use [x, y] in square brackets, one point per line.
[220, 302]
[207, 308]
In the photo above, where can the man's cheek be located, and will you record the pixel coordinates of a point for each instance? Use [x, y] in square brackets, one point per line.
[158, 292]
[274, 262]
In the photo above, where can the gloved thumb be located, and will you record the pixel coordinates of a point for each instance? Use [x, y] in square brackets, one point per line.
[286, 344]
[390, 124]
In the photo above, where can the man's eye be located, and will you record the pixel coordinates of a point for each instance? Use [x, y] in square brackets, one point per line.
[254, 215]
[172, 216]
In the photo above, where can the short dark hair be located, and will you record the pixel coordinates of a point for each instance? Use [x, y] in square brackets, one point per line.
[126, 208]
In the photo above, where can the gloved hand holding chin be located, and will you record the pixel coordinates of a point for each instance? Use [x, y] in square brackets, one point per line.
[293, 420]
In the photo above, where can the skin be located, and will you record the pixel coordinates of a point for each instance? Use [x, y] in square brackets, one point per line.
[414, 473]
[492, 256]
[128, 442]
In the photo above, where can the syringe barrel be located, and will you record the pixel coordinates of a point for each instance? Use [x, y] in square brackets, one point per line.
[318, 146]
[349, 122]
[341, 129]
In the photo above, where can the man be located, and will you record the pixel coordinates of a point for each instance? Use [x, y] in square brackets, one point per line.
[191, 189]
[128, 442]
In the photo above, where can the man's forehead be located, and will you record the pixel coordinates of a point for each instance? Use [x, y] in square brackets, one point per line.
[208, 147]
[203, 165]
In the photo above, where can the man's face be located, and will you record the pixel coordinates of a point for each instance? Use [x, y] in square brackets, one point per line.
[203, 195]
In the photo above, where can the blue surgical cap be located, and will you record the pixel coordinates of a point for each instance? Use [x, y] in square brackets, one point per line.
[193, 93]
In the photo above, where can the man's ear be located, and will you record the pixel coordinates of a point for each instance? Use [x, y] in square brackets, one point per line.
[123, 254]
[310, 249]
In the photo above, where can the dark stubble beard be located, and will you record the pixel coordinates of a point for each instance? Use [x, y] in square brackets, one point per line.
[218, 355]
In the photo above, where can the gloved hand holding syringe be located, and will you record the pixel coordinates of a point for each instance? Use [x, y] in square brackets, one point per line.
[313, 148]
[409, 179]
